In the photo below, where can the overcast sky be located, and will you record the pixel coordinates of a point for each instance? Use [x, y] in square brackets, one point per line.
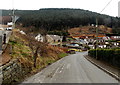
[92, 5]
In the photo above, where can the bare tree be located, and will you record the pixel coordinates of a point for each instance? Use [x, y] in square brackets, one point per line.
[43, 31]
[34, 46]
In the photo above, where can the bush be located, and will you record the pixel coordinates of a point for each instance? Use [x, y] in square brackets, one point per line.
[111, 56]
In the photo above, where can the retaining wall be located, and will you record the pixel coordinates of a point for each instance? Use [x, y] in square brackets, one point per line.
[12, 72]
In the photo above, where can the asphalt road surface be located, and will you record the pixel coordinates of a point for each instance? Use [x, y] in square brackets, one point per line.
[71, 69]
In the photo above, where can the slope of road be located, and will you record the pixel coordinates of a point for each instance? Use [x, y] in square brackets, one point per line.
[71, 69]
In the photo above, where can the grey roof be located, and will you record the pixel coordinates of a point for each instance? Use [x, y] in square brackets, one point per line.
[56, 37]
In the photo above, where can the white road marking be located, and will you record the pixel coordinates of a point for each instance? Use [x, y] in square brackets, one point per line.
[68, 66]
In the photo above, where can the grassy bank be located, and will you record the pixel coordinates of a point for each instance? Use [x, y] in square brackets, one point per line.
[21, 51]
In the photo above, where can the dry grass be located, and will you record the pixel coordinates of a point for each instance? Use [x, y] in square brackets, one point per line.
[5, 56]
[87, 30]
[22, 51]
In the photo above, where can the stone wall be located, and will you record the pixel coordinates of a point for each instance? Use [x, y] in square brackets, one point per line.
[12, 72]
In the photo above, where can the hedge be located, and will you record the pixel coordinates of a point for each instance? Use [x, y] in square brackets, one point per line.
[111, 56]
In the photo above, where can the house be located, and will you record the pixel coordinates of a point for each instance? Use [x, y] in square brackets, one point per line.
[5, 22]
[39, 37]
[80, 41]
[106, 38]
[3, 27]
[114, 36]
[5, 19]
[22, 32]
[113, 40]
[9, 24]
[54, 39]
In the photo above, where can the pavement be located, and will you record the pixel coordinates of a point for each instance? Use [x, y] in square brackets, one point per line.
[74, 68]
[8, 34]
[6, 58]
[108, 68]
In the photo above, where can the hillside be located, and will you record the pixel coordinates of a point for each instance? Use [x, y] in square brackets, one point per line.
[89, 30]
[22, 51]
[61, 18]
[25, 56]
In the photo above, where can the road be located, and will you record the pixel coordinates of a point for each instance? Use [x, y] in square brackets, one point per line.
[71, 69]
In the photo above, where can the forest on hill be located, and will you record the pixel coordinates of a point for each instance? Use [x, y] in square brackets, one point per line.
[62, 18]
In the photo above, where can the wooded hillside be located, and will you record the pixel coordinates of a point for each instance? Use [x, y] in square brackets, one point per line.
[62, 18]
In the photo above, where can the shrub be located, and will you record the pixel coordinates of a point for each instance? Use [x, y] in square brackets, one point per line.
[111, 56]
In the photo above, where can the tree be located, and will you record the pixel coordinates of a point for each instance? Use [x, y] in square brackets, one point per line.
[34, 46]
[43, 32]
[64, 39]
[59, 18]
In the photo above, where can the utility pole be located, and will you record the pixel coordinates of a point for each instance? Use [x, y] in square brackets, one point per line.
[97, 27]
[13, 16]
[96, 37]
[1, 33]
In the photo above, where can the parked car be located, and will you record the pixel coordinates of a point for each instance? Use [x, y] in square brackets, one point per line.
[71, 52]
[77, 50]
[84, 49]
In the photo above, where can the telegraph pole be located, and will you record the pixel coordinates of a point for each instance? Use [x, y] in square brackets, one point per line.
[97, 27]
[13, 16]
[96, 37]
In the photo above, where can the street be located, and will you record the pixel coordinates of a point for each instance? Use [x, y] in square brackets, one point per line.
[71, 69]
